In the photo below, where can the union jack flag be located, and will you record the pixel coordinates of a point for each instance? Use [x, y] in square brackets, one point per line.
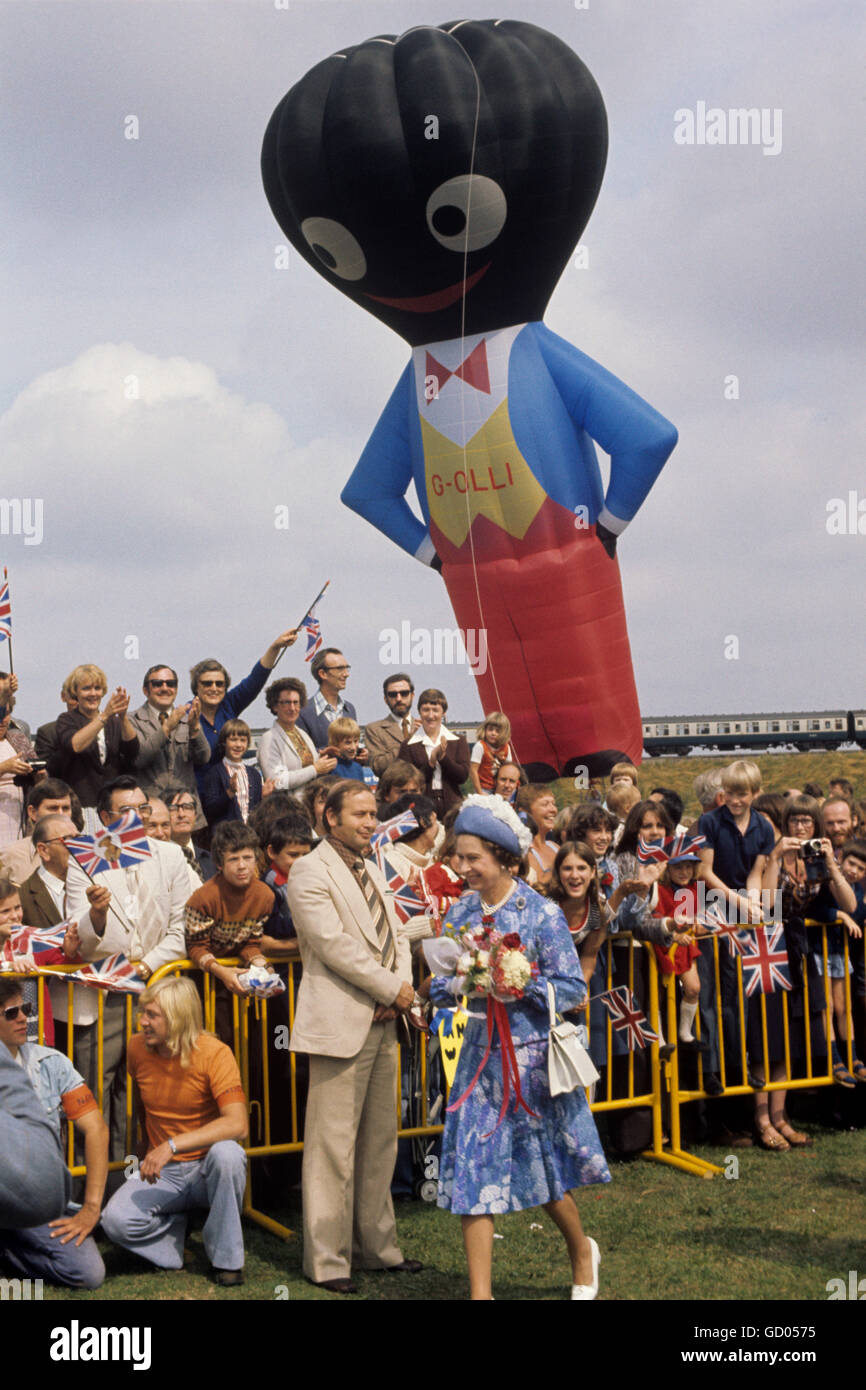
[114, 973]
[313, 629]
[715, 921]
[628, 1018]
[660, 851]
[765, 960]
[29, 941]
[5, 610]
[387, 831]
[406, 901]
[121, 845]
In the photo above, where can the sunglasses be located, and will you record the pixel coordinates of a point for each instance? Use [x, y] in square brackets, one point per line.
[16, 1009]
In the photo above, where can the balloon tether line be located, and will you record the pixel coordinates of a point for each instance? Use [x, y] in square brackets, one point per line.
[462, 394]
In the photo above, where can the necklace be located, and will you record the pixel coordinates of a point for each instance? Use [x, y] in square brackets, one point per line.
[488, 909]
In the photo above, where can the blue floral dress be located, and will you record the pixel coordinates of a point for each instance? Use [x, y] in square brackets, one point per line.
[527, 1161]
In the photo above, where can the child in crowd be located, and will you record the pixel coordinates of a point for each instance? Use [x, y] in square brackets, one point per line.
[314, 797]
[290, 838]
[738, 844]
[621, 773]
[676, 900]
[344, 738]
[853, 866]
[620, 800]
[230, 788]
[228, 915]
[575, 886]
[11, 919]
[491, 750]
[592, 825]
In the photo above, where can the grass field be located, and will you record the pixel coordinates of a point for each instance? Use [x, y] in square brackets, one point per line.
[779, 771]
[781, 1229]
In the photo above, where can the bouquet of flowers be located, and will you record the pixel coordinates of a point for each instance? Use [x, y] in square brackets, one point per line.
[486, 963]
[492, 964]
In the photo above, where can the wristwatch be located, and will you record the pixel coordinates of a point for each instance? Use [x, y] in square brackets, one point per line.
[172, 1145]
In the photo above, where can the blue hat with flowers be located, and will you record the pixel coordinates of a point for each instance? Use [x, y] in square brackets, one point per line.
[492, 818]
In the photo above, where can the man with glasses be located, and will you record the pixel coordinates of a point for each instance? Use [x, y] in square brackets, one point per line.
[139, 911]
[384, 736]
[182, 815]
[62, 1251]
[210, 682]
[171, 744]
[330, 670]
[51, 796]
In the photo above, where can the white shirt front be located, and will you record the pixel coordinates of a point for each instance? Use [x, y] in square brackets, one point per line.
[420, 737]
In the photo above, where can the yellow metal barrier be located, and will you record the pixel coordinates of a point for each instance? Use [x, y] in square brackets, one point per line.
[763, 1063]
[254, 1048]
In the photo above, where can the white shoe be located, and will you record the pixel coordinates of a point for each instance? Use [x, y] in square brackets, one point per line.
[587, 1292]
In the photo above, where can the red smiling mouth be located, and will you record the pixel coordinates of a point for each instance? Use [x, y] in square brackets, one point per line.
[439, 299]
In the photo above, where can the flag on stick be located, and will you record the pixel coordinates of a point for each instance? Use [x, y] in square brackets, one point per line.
[121, 845]
[628, 1018]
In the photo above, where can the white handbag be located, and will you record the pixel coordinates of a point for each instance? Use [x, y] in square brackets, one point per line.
[569, 1065]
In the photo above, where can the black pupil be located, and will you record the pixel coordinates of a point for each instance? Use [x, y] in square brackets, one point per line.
[324, 256]
[449, 220]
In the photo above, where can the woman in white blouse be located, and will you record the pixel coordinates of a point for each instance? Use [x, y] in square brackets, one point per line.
[286, 753]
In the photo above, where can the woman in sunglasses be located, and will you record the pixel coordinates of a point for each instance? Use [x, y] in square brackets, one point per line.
[219, 700]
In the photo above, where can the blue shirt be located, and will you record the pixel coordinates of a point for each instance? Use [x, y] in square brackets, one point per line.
[51, 1075]
[734, 854]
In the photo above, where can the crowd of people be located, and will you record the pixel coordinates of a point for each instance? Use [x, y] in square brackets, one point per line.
[291, 851]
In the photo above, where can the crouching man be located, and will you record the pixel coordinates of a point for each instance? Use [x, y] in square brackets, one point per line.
[62, 1251]
[194, 1109]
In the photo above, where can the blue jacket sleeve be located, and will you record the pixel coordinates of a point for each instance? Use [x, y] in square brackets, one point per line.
[378, 486]
[245, 691]
[638, 439]
[558, 963]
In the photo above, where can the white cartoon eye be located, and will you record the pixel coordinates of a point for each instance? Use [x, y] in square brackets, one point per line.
[466, 212]
[335, 247]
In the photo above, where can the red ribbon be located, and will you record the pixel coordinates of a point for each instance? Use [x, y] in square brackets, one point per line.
[497, 1013]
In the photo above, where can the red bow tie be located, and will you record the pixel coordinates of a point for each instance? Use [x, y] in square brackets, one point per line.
[472, 370]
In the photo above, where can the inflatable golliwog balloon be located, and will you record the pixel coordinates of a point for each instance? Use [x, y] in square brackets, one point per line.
[441, 180]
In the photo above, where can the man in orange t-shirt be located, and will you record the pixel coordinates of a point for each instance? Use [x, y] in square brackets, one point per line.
[194, 1108]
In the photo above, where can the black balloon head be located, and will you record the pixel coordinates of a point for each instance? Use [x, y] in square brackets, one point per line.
[440, 179]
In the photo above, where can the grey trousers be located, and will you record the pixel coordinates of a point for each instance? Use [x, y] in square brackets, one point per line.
[150, 1218]
[34, 1180]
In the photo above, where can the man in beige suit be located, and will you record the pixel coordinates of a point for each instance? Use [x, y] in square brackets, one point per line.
[356, 980]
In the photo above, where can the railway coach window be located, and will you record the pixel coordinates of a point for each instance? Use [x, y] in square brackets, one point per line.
[774, 726]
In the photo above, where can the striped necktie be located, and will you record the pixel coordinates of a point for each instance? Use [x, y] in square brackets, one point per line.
[378, 915]
[189, 855]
